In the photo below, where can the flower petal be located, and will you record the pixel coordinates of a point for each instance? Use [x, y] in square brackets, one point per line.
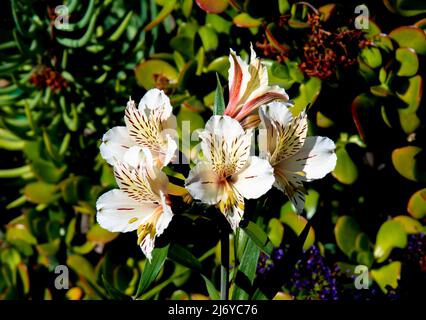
[316, 158]
[232, 206]
[147, 246]
[202, 183]
[170, 153]
[239, 76]
[115, 142]
[151, 127]
[255, 179]
[137, 183]
[155, 99]
[116, 212]
[225, 145]
[276, 112]
[285, 137]
[292, 185]
[165, 218]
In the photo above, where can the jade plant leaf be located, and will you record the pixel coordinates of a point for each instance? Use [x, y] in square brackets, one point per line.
[417, 204]
[409, 62]
[297, 223]
[275, 231]
[411, 226]
[41, 192]
[152, 72]
[212, 6]
[208, 37]
[405, 162]
[372, 57]
[244, 20]
[406, 8]
[391, 235]
[345, 171]
[100, 235]
[308, 93]
[410, 37]
[346, 232]
[387, 275]
[412, 96]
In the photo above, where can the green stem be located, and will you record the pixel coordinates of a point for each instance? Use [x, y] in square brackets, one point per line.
[224, 268]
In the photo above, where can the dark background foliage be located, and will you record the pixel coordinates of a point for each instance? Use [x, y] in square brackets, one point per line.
[61, 89]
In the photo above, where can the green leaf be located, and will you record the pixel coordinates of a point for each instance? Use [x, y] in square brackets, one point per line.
[209, 38]
[165, 11]
[387, 275]
[410, 37]
[187, 7]
[411, 226]
[218, 23]
[47, 171]
[297, 223]
[100, 235]
[41, 192]
[244, 20]
[219, 65]
[181, 255]
[211, 289]
[148, 72]
[308, 92]
[113, 292]
[405, 162]
[85, 38]
[311, 203]
[327, 11]
[412, 96]
[346, 232]
[246, 271]
[152, 269]
[391, 235]
[121, 28]
[275, 231]
[417, 204]
[371, 56]
[345, 171]
[409, 62]
[406, 8]
[184, 45]
[219, 102]
[212, 6]
[259, 237]
[81, 266]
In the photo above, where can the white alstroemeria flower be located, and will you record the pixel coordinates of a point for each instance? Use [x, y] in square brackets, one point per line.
[141, 203]
[249, 88]
[295, 157]
[228, 173]
[150, 125]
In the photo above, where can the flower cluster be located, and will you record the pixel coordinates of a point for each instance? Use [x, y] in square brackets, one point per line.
[311, 278]
[227, 171]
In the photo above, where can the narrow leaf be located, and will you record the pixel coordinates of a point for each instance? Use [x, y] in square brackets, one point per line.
[211, 289]
[112, 292]
[152, 269]
[246, 271]
[259, 237]
[182, 256]
[219, 102]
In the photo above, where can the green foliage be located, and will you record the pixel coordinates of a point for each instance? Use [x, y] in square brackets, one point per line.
[63, 85]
